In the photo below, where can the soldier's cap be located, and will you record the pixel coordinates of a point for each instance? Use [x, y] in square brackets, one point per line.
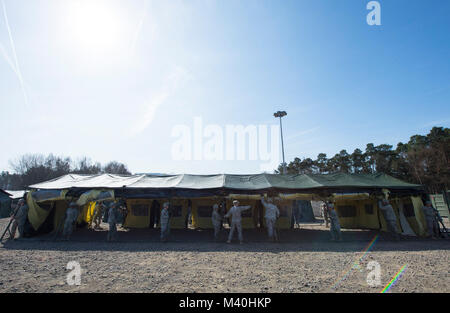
[235, 202]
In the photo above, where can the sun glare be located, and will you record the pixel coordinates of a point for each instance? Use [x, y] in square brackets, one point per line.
[95, 25]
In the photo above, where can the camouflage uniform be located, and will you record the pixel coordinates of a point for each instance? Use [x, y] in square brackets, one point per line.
[271, 215]
[99, 208]
[335, 226]
[165, 223]
[19, 221]
[236, 221]
[437, 219]
[390, 217]
[71, 217]
[431, 221]
[112, 220]
[325, 214]
[216, 221]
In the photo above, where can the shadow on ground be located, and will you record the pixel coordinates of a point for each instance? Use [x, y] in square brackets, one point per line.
[311, 238]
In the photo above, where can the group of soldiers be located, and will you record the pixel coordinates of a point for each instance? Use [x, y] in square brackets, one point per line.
[431, 214]
[235, 214]
[114, 212]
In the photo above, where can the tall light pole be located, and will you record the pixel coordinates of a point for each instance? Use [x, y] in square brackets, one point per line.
[280, 114]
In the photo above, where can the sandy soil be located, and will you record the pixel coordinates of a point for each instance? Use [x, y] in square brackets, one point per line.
[304, 261]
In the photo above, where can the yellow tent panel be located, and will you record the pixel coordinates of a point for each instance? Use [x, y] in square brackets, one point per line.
[138, 213]
[419, 217]
[366, 214]
[87, 212]
[202, 211]
[36, 214]
[60, 212]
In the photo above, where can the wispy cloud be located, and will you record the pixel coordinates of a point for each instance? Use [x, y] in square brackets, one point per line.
[138, 28]
[302, 133]
[170, 84]
[15, 66]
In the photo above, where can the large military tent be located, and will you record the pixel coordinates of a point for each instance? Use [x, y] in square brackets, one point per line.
[144, 194]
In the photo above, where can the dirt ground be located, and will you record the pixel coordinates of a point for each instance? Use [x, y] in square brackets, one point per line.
[304, 261]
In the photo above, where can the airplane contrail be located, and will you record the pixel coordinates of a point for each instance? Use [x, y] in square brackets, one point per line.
[139, 27]
[13, 48]
[7, 59]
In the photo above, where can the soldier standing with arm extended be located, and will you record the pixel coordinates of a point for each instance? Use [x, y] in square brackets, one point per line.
[236, 220]
[390, 217]
[271, 215]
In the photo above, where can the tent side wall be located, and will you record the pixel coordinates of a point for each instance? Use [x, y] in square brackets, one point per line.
[201, 212]
[365, 214]
[419, 224]
[138, 213]
[5, 205]
[37, 213]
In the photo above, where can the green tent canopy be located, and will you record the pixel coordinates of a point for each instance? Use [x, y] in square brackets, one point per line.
[204, 185]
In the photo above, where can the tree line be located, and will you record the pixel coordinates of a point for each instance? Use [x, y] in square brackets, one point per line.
[424, 159]
[31, 169]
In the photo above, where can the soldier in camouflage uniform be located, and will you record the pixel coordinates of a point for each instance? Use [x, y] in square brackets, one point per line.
[335, 226]
[71, 217]
[112, 221]
[98, 213]
[390, 217]
[165, 222]
[324, 211]
[430, 219]
[271, 215]
[19, 218]
[236, 220]
[216, 221]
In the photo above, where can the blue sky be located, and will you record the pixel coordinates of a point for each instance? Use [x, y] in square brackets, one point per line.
[110, 79]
